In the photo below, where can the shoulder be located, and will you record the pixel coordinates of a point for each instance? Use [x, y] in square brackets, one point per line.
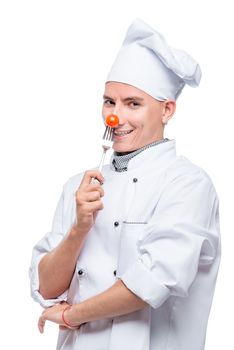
[184, 172]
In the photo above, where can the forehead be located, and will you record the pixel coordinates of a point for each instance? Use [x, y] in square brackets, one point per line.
[113, 89]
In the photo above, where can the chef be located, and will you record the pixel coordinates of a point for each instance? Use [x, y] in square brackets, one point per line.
[131, 260]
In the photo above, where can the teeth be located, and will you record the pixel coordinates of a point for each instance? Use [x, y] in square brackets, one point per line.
[122, 132]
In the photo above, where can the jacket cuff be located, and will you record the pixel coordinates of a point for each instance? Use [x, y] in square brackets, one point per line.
[34, 276]
[140, 280]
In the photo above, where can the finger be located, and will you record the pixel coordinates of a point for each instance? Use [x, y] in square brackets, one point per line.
[41, 324]
[86, 197]
[95, 187]
[93, 206]
[89, 208]
[88, 175]
[91, 196]
[92, 187]
[95, 180]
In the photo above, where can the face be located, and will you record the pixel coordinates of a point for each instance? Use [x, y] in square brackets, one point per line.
[141, 117]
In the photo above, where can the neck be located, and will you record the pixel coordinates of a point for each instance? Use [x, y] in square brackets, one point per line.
[123, 153]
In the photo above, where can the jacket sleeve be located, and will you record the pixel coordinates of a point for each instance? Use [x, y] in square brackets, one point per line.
[45, 245]
[182, 235]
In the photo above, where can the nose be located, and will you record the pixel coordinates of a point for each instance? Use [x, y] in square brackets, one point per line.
[120, 114]
[122, 120]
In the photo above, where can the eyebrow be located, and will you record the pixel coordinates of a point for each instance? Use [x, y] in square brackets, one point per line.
[131, 98]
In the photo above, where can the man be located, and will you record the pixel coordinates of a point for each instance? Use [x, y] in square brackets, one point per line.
[132, 261]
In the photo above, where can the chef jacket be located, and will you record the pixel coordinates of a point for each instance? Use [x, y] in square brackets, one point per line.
[120, 160]
[159, 233]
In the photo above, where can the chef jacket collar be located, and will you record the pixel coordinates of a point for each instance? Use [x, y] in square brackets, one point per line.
[152, 156]
[120, 161]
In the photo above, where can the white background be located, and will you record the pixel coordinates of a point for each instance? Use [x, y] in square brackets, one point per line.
[55, 56]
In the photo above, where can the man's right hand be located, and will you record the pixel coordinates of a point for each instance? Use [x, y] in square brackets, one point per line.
[88, 200]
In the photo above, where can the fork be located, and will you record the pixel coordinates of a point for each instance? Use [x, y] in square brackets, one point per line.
[107, 142]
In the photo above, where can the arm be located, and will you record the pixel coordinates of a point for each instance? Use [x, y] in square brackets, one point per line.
[41, 249]
[56, 268]
[115, 301]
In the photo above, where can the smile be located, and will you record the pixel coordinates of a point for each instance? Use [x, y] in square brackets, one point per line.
[122, 133]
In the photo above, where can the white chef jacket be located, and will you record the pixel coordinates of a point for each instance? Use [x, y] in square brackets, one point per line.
[159, 233]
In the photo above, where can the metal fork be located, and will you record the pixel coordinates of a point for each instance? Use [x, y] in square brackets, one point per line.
[107, 142]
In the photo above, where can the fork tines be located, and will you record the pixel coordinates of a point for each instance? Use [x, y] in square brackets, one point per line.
[108, 134]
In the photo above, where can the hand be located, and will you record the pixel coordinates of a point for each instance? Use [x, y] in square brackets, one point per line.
[88, 200]
[54, 314]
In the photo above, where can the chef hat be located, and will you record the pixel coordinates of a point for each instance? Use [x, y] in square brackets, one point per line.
[148, 63]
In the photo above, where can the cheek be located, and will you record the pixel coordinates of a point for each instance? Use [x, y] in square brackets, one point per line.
[137, 118]
[136, 123]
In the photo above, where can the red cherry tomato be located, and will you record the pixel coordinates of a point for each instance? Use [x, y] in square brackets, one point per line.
[112, 120]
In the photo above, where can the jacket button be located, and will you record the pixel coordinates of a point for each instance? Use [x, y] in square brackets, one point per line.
[116, 223]
[135, 179]
[114, 272]
[80, 272]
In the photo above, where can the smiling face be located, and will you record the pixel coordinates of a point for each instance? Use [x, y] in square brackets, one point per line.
[141, 117]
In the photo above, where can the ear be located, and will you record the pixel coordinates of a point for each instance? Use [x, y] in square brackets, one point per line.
[168, 110]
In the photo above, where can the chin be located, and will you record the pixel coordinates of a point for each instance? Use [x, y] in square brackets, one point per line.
[122, 148]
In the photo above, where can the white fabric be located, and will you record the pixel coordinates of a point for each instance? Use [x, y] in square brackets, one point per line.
[166, 250]
[148, 63]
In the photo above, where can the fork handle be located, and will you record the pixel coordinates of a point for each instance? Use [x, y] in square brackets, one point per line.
[100, 164]
[102, 159]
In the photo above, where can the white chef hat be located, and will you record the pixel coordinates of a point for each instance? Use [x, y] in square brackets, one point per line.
[148, 63]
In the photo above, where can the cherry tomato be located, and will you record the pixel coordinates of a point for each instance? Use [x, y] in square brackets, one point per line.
[112, 120]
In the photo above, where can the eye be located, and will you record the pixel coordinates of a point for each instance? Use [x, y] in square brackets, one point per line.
[134, 104]
[108, 102]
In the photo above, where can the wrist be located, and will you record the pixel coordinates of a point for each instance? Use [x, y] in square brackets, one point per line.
[65, 320]
[76, 232]
[72, 316]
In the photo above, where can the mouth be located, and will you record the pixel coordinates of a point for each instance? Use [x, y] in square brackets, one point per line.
[120, 134]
